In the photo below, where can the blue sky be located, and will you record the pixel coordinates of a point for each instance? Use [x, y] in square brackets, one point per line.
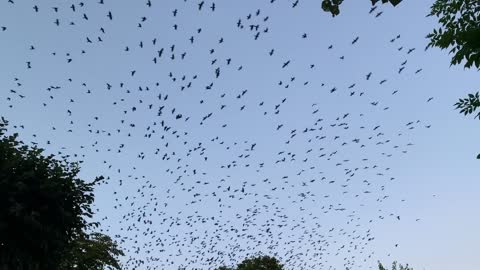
[412, 187]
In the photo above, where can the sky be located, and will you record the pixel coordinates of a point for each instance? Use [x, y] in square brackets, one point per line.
[294, 154]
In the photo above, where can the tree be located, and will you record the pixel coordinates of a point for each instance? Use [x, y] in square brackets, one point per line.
[44, 206]
[333, 6]
[469, 105]
[257, 263]
[260, 263]
[394, 267]
[459, 32]
[94, 252]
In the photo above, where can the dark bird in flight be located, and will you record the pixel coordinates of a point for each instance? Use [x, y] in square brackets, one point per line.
[369, 75]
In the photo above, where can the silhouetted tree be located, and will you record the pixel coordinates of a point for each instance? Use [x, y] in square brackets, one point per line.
[43, 209]
[257, 263]
[92, 252]
[459, 32]
[260, 263]
[394, 267]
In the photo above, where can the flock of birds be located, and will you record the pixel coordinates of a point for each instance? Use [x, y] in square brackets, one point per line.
[220, 134]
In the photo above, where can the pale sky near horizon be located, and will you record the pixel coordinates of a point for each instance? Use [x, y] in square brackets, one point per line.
[413, 188]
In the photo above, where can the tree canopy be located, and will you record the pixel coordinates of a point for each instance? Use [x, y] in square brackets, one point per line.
[395, 266]
[272, 263]
[459, 30]
[257, 263]
[45, 208]
[93, 252]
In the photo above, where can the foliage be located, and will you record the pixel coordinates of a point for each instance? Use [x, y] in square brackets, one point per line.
[459, 30]
[260, 263]
[93, 252]
[469, 105]
[44, 206]
[257, 263]
[333, 6]
[394, 267]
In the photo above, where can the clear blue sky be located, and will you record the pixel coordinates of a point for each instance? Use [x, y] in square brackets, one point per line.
[309, 175]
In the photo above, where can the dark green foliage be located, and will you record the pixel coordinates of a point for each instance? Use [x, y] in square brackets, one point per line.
[257, 263]
[260, 263]
[333, 6]
[469, 105]
[92, 252]
[44, 206]
[459, 30]
[394, 267]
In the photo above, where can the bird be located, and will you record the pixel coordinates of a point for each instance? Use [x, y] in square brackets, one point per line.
[368, 76]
